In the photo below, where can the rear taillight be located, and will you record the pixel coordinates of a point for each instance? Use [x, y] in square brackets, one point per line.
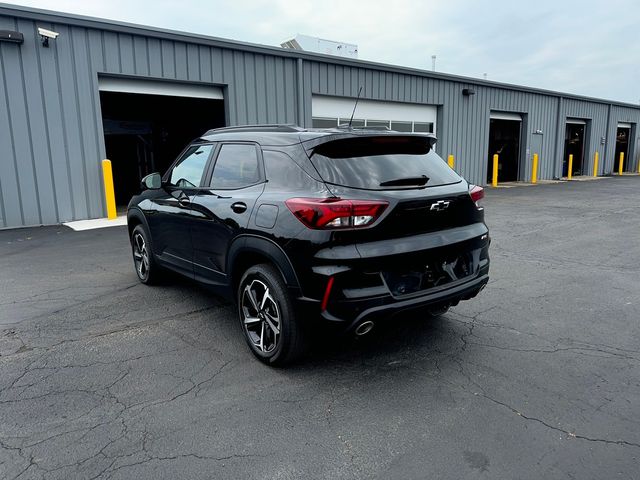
[477, 194]
[329, 213]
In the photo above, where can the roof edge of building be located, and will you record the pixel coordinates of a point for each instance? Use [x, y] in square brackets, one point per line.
[52, 16]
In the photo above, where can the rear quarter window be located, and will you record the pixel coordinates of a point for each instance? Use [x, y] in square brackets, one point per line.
[367, 163]
[283, 173]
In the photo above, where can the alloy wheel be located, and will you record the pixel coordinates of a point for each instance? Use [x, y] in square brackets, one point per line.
[141, 256]
[261, 316]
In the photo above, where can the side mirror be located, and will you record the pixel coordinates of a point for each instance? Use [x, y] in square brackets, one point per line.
[152, 181]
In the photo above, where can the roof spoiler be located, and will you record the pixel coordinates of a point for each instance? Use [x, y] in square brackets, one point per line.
[311, 144]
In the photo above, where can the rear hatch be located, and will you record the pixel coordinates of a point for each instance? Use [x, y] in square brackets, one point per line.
[431, 234]
[423, 193]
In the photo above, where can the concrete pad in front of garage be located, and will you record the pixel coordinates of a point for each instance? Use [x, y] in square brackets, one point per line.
[101, 377]
[92, 224]
[525, 184]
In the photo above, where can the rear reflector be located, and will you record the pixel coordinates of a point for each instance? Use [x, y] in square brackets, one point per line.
[327, 293]
[330, 213]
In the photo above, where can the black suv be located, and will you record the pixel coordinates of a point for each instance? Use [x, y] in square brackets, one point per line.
[349, 226]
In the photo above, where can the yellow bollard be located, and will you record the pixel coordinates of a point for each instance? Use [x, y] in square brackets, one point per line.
[109, 194]
[621, 163]
[570, 169]
[450, 161]
[494, 178]
[595, 165]
[534, 173]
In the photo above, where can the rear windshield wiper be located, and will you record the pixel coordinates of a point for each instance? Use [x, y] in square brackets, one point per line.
[404, 182]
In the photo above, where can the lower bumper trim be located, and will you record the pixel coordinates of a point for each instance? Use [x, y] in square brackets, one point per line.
[459, 292]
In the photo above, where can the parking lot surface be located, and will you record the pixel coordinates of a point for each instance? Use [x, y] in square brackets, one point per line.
[538, 377]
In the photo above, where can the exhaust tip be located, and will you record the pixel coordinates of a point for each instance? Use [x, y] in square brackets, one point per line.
[364, 328]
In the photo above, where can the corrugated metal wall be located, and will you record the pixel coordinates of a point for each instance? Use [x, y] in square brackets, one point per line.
[51, 138]
[463, 121]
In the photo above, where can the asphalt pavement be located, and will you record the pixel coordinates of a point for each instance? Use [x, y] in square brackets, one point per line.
[538, 377]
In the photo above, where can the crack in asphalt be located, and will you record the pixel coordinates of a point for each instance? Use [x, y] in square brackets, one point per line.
[558, 429]
[557, 347]
[184, 316]
[196, 386]
[104, 392]
[110, 470]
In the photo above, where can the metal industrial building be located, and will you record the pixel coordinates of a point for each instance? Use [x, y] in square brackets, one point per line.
[137, 94]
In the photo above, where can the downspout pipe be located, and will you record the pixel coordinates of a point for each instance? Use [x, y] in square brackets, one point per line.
[559, 136]
[300, 94]
[605, 170]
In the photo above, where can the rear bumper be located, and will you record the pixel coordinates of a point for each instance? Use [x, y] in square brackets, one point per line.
[387, 306]
[377, 280]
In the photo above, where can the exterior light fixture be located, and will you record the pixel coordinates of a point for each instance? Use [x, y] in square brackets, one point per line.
[11, 37]
[467, 92]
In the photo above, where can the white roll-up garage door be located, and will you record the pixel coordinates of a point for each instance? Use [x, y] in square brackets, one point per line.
[505, 116]
[410, 117]
[158, 87]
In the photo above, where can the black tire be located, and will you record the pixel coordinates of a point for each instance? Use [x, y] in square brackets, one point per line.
[257, 325]
[144, 263]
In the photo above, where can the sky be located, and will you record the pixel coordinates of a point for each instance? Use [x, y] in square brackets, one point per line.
[584, 47]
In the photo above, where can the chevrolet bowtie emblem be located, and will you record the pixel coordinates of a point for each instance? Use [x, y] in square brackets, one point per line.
[440, 205]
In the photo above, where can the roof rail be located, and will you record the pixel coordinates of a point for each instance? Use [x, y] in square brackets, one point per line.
[380, 128]
[282, 128]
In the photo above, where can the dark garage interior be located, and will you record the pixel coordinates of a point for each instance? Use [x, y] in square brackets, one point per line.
[145, 133]
[622, 146]
[504, 139]
[573, 145]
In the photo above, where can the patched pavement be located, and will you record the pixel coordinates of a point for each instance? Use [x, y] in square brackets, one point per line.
[538, 377]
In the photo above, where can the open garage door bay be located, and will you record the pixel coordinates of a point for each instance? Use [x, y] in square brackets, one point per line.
[504, 140]
[623, 134]
[574, 144]
[147, 123]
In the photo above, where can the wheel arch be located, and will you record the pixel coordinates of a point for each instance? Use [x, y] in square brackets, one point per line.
[135, 217]
[248, 250]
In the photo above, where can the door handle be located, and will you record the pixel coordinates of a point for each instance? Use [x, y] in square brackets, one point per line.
[239, 207]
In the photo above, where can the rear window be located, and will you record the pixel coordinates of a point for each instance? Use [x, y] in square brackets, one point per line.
[382, 163]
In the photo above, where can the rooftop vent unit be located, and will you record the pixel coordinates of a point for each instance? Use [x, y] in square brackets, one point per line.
[319, 45]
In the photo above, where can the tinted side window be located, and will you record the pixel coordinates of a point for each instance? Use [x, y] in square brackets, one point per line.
[236, 167]
[187, 173]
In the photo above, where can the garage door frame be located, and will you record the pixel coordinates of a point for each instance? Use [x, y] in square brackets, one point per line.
[153, 86]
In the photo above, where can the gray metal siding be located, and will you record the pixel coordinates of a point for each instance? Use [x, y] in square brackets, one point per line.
[463, 122]
[51, 140]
